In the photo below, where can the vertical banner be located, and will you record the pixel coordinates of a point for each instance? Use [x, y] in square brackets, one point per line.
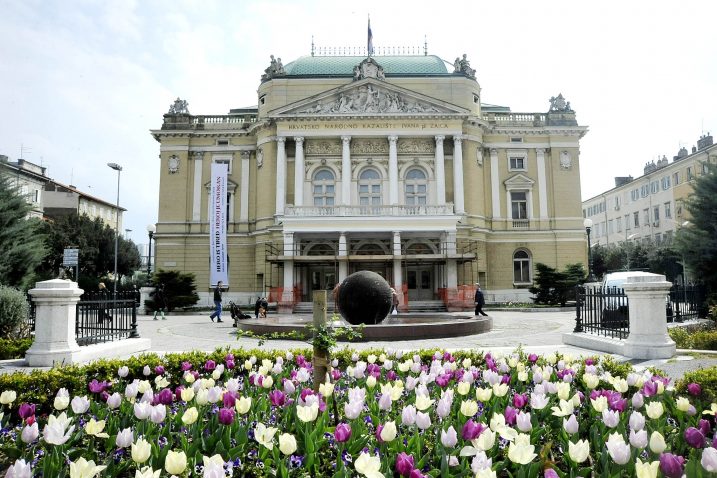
[218, 225]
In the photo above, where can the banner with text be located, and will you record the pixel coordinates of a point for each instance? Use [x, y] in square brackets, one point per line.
[218, 270]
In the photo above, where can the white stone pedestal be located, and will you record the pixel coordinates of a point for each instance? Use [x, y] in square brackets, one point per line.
[648, 337]
[55, 306]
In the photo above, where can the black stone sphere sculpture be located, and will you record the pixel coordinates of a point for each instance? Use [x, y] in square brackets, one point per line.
[364, 298]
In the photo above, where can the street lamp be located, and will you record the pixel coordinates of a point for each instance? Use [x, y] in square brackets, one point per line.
[126, 232]
[588, 223]
[627, 248]
[117, 168]
[151, 229]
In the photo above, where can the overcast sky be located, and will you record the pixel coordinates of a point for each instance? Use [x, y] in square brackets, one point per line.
[82, 82]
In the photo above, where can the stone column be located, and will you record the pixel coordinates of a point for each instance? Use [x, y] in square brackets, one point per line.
[458, 174]
[55, 302]
[346, 170]
[392, 170]
[197, 187]
[648, 337]
[299, 172]
[495, 183]
[343, 256]
[542, 184]
[397, 271]
[286, 303]
[440, 171]
[280, 175]
[244, 193]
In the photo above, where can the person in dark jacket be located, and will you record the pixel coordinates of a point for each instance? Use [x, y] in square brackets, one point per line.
[217, 303]
[160, 302]
[264, 306]
[257, 306]
[480, 301]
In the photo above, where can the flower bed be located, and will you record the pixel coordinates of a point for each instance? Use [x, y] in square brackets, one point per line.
[385, 414]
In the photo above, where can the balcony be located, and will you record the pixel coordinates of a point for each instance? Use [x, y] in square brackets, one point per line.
[521, 223]
[208, 122]
[515, 119]
[396, 210]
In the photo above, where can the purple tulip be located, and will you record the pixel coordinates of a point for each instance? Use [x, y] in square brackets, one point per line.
[230, 364]
[471, 430]
[404, 464]
[520, 400]
[672, 466]
[443, 379]
[229, 400]
[226, 416]
[379, 429]
[550, 473]
[277, 398]
[159, 369]
[335, 374]
[694, 389]
[342, 432]
[416, 473]
[589, 361]
[97, 387]
[228, 357]
[694, 437]
[532, 358]
[305, 393]
[510, 415]
[210, 365]
[26, 410]
[186, 366]
[649, 389]
[391, 375]
[165, 396]
[705, 427]
[178, 393]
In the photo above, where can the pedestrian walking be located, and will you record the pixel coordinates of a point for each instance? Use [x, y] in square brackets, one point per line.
[257, 306]
[217, 303]
[103, 300]
[394, 301]
[265, 306]
[479, 300]
[160, 302]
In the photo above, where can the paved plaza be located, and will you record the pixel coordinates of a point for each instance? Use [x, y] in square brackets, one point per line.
[538, 332]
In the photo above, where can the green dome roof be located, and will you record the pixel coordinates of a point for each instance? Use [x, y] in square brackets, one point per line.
[344, 65]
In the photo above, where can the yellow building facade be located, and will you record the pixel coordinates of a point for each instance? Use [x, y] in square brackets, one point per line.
[384, 163]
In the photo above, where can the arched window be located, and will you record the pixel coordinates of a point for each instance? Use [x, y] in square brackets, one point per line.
[416, 187]
[521, 267]
[369, 188]
[323, 188]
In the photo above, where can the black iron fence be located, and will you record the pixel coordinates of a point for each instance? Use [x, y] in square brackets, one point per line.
[31, 314]
[605, 310]
[602, 311]
[104, 318]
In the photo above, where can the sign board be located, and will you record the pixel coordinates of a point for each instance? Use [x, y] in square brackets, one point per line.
[70, 257]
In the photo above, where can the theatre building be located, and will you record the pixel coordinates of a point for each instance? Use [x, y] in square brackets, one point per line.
[383, 163]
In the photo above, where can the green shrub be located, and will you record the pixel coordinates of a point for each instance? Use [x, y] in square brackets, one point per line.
[707, 378]
[179, 289]
[703, 338]
[14, 311]
[14, 348]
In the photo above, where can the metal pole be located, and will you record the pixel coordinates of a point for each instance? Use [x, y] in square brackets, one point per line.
[117, 212]
[149, 256]
[591, 278]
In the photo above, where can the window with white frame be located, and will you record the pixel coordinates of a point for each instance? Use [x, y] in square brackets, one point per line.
[668, 210]
[369, 188]
[644, 190]
[676, 178]
[618, 224]
[646, 216]
[521, 267]
[627, 222]
[324, 188]
[519, 204]
[224, 159]
[517, 160]
[416, 187]
[690, 175]
[635, 194]
[665, 183]
[654, 187]
[636, 217]
[656, 214]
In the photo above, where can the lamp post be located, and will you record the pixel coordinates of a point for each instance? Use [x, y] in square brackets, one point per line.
[126, 233]
[151, 229]
[588, 223]
[117, 168]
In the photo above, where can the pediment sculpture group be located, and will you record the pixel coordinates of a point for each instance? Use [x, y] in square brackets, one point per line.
[367, 99]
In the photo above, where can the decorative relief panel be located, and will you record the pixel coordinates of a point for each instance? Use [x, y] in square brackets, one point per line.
[371, 99]
[322, 147]
[369, 146]
[416, 146]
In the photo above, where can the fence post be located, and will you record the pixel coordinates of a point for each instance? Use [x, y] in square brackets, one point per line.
[578, 317]
[648, 337]
[55, 305]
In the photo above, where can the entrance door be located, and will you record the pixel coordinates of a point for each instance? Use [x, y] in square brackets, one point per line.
[419, 280]
[322, 278]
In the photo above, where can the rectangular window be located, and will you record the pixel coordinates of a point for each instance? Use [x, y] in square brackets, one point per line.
[678, 208]
[617, 203]
[704, 168]
[517, 162]
[656, 214]
[37, 196]
[636, 218]
[665, 183]
[618, 222]
[627, 222]
[516, 140]
[519, 205]
[668, 210]
[676, 178]
[690, 176]
[654, 187]
[646, 216]
[644, 190]
[223, 159]
[635, 194]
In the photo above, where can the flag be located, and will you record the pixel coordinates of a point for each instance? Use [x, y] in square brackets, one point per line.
[369, 47]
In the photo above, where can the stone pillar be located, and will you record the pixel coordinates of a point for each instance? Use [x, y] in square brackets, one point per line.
[299, 172]
[343, 256]
[648, 337]
[280, 175]
[542, 184]
[197, 187]
[458, 174]
[144, 294]
[440, 171]
[392, 170]
[495, 183]
[286, 303]
[244, 193]
[453, 302]
[55, 307]
[397, 271]
[346, 170]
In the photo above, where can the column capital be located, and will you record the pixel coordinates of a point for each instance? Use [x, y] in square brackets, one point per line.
[439, 138]
[299, 139]
[345, 138]
[198, 155]
[541, 150]
[457, 138]
[245, 154]
[493, 152]
[392, 138]
[280, 139]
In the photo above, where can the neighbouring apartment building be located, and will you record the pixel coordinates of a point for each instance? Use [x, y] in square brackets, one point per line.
[385, 163]
[650, 208]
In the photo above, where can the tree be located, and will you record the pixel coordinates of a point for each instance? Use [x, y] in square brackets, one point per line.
[22, 246]
[180, 289]
[553, 287]
[698, 241]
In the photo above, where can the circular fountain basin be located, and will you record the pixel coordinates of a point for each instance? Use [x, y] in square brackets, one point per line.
[409, 326]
